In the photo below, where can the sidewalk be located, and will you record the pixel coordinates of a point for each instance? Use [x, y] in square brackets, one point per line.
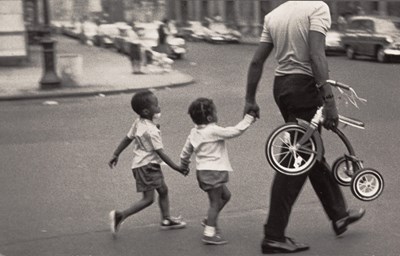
[104, 72]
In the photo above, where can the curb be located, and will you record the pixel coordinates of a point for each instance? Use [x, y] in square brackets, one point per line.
[70, 93]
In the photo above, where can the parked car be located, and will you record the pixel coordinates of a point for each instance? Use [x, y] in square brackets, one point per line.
[374, 36]
[218, 32]
[333, 42]
[178, 46]
[105, 35]
[89, 31]
[148, 34]
[72, 29]
[194, 31]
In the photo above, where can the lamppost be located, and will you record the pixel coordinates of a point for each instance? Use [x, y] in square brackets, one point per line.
[49, 80]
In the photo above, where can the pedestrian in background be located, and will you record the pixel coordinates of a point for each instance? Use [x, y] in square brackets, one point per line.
[148, 154]
[297, 30]
[163, 33]
[136, 52]
[342, 22]
[136, 57]
[207, 141]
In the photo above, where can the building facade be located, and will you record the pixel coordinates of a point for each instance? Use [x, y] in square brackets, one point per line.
[244, 15]
[13, 40]
[247, 15]
[64, 10]
[134, 10]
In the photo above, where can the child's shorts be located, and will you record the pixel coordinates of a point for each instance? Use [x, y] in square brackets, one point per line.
[211, 179]
[148, 177]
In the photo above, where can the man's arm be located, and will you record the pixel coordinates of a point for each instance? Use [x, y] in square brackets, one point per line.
[254, 75]
[319, 65]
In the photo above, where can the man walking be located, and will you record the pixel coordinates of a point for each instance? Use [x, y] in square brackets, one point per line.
[297, 30]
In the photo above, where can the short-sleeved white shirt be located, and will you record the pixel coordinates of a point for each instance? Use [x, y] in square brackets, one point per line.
[146, 139]
[288, 26]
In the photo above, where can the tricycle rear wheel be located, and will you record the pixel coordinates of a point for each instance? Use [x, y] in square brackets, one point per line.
[367, 184]
[343, 170]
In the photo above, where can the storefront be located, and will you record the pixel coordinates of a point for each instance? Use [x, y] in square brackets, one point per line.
[13, 39]
[32, 20]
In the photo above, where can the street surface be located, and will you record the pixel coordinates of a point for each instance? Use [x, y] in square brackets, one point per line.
[57, 190]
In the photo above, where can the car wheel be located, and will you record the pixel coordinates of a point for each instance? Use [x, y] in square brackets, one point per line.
[380, 55]
[350, 52]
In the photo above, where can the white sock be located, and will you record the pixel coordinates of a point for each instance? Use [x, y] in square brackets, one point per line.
[209, 231]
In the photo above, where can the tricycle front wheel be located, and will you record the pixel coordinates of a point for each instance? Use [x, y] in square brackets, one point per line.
[283, 154]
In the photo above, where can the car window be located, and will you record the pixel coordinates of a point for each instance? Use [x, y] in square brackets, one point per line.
[368, 25]
[387, 26]
[355, 24]
[362, 25]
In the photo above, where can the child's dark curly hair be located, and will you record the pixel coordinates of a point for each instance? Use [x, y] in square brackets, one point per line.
[141, 101]
[202, 110]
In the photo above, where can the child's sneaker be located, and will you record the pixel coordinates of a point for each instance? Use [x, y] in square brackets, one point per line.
[172, 223]
[204, 223]
[217, 239]
[115, 222]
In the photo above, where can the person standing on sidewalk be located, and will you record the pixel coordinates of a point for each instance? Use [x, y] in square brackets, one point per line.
[163, 34]
[297, 30]
[207, 141]
[148, 154]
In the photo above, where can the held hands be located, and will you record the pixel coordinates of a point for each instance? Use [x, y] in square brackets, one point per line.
[184, 169]
[113, 162]
[252, 108]
[330, 114]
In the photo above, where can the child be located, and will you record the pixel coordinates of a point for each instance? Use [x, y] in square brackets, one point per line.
[148, 154]
[207, 141]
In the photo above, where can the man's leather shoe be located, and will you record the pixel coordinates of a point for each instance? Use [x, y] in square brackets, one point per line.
[288, 246]
[340, 226]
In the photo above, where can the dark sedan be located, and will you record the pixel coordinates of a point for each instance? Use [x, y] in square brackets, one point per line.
[374, 36]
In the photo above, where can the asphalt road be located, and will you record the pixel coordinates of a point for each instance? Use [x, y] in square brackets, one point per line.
[56, 188]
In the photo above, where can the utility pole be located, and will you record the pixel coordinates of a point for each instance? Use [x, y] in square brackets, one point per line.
[49, 80]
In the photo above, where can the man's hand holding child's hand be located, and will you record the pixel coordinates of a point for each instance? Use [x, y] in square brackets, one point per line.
[253, 109]
[253, 114]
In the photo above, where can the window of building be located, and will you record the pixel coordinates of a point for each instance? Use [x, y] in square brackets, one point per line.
[265, 7]
[204, 10]
[184, 10]
[230, 12]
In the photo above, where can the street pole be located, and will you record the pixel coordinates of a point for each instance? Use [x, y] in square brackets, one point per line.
[49, 80]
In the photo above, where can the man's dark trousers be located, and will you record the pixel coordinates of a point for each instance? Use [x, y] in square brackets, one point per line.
[297, 97]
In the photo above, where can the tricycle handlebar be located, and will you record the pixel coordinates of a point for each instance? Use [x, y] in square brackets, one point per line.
[338, 84]
[352, 96]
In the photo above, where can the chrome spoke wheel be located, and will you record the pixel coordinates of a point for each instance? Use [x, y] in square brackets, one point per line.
[283, 153]
[367, 184]
[343, 170]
